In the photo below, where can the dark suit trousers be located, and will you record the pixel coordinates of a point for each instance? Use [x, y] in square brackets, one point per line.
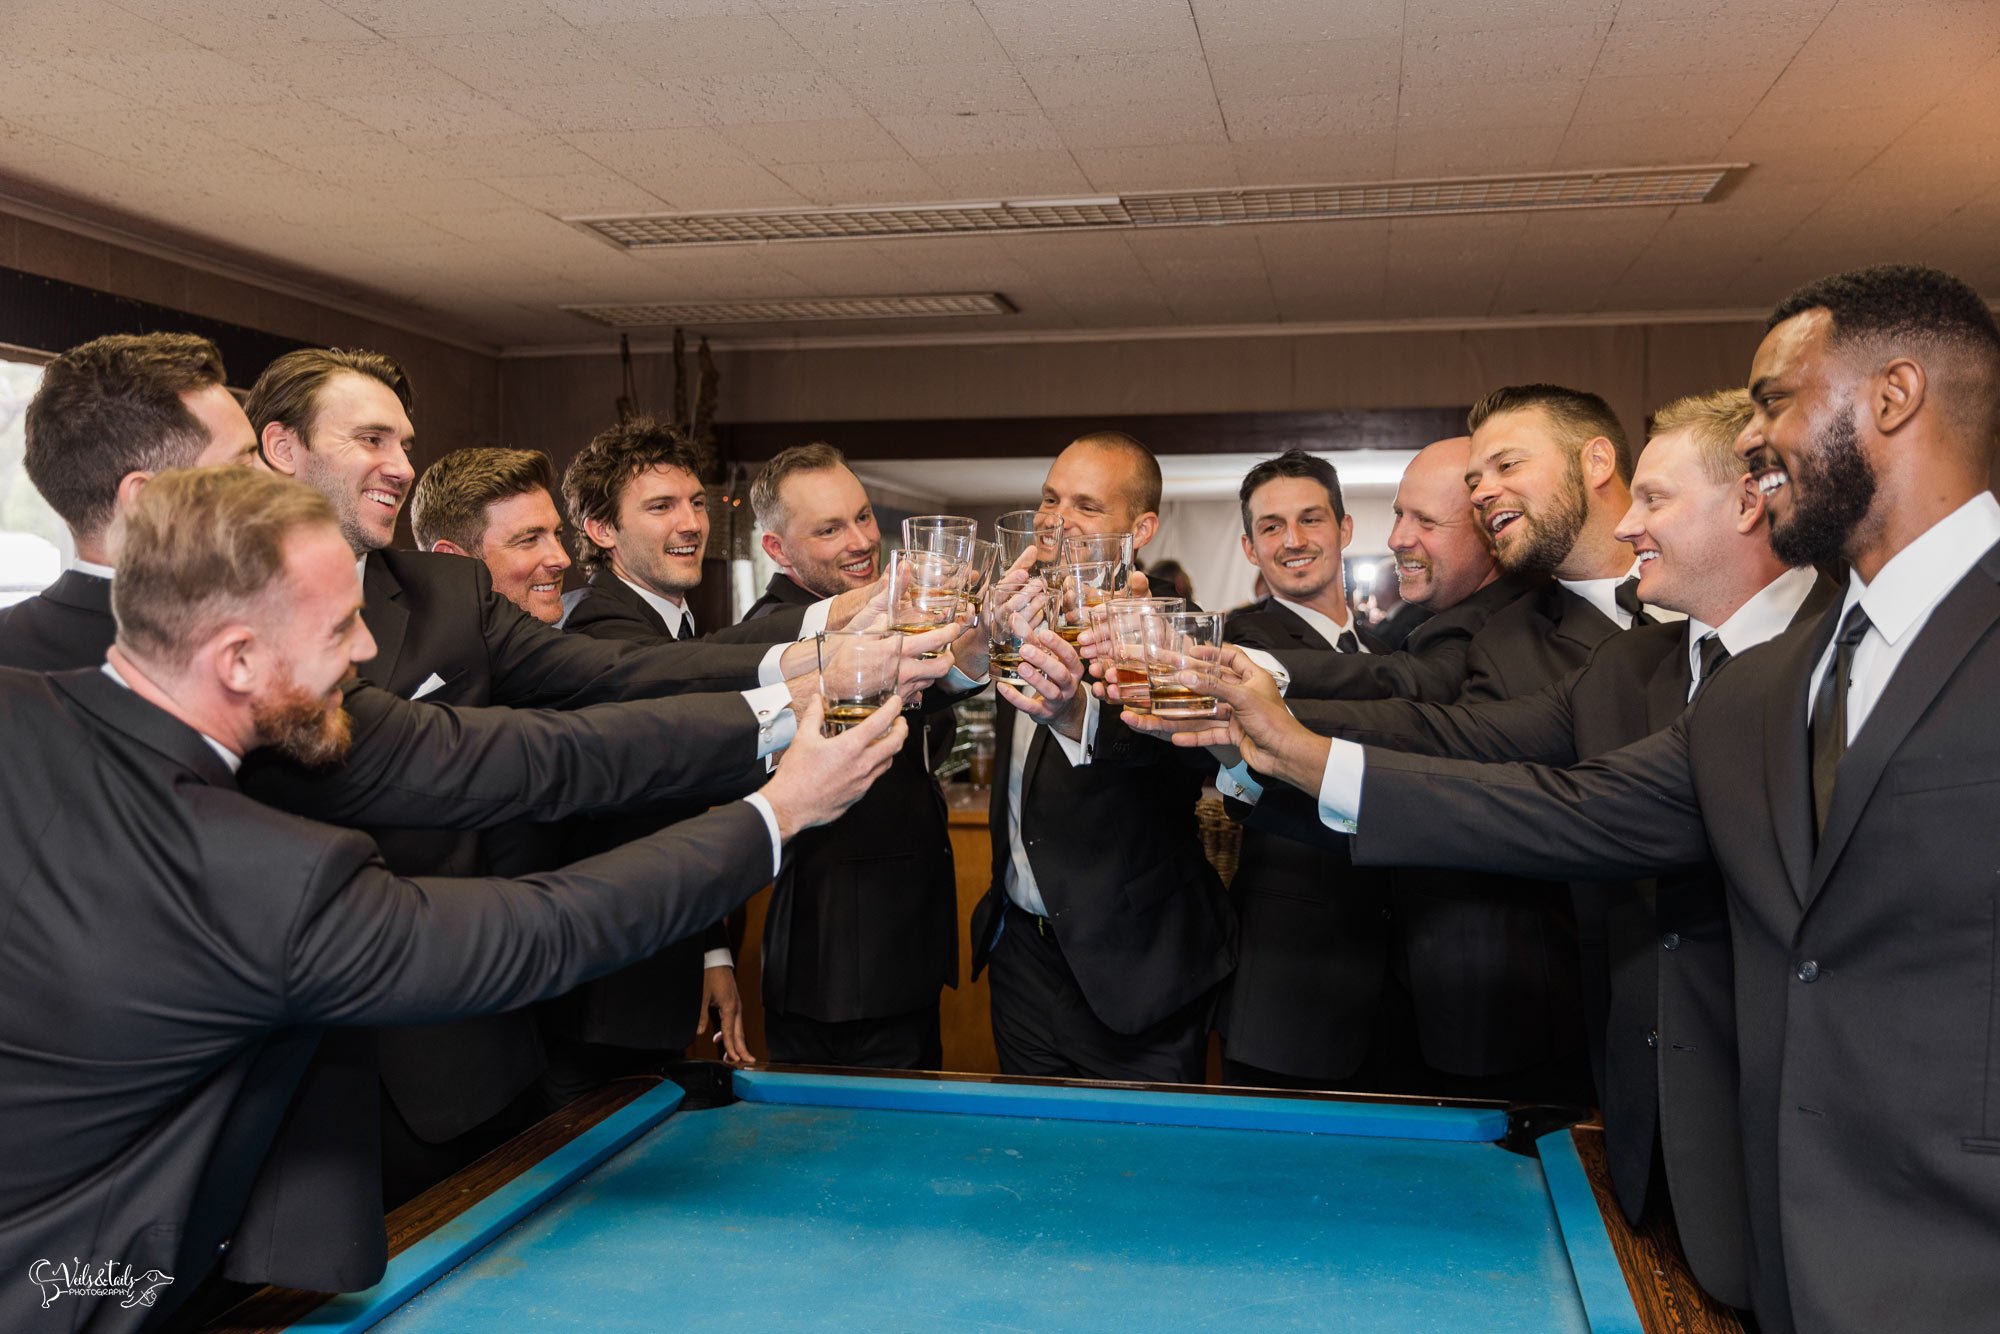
[908, 1041]
[1042, 1025]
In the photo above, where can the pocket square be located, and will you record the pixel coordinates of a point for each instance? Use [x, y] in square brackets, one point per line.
[431, 683]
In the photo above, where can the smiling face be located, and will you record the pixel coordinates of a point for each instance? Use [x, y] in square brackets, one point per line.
[1442, 555]
[661, 532]
[313, 624]
[1685, 526]
[1294, 538]
[1803, 446]
[356, 454]
[523, 551]
[1091, 489]
[830, 542]
[1528, 489]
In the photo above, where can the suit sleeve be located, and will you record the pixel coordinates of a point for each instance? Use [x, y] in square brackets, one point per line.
[427, 766]
[538, 666]
[1483, 677]
[1621, 816]
[370, 947]
[1539, 728]
[1119, 747]
[1432, 667]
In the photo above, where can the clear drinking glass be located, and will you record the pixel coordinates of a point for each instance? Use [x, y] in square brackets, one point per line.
[857, 674]
[1191, 643]
[924, 592]
[1018, 530]
[1012, 607]
[979, 567]
[1078, 596]
[1111, 548]
[1137, 624]
[948, 535]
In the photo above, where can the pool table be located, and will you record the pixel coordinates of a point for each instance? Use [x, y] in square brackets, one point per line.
[790, 1198]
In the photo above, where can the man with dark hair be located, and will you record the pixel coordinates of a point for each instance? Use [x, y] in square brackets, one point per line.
[338, 420]
[1843, 778]
[1295, 529]
[167, 971]
[108, 415]
[497, 506]
[862, 930]
[636, 499]
[1106, 930]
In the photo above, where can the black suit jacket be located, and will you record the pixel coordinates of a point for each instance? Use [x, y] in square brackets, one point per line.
[1314, 932]
[1431, 665]
[1865, 972]
[656, 1003]
[863, 922]
[1394, 628]
[172, 947]
[68, 624]
[1140, 915]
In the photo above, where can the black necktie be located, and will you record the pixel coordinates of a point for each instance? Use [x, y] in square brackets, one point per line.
[1347, 643]
[1627, 598]
[1713, 655]
[1828, 727]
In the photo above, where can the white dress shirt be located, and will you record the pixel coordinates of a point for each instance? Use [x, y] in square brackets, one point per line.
[1322, 624]
[1907, 589]
[1020, 878]
[92, 568]
[1767, 614]
[1603, 595]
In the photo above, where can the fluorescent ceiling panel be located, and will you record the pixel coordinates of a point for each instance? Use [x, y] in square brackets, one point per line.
[637, 315]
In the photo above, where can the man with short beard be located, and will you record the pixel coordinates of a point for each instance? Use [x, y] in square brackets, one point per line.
[1843, 778]
[862, 930]
[174, 947]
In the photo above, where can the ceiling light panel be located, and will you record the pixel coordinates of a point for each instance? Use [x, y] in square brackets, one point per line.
[642, 315]
[1624, 188]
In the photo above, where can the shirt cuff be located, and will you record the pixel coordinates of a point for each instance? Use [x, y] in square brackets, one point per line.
[763, 806]
[1340, 786]
[718, 959]
[1239, 782]
[1269, 664]
[1078, 752]
[771, 667]
[815, 620]
[776, 723]
[957, 680]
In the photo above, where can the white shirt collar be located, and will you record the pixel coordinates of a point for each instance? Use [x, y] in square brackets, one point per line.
[680, 621]
[229, 757]
[92, 568]
[361, 567]
[1915, 579]
[1603, 595]
[1328, 629]
[1766, 615]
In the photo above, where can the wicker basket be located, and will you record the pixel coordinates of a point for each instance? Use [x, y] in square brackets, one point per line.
[1221, 837]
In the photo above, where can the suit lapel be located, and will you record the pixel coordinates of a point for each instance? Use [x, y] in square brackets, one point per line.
[1667, 690]
[154, 727]
[84, 592]
[1959, 622]
[1296, 625]
[1576, 619]
[1787, 752]
[388, 619]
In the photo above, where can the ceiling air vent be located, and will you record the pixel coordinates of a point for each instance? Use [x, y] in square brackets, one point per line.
[644, 315]
[1634, 187]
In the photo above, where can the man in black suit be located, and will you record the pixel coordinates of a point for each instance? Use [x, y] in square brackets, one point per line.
[1395, 615]
[338, 420]
[862, 931]
[1844, 778]
[107, 416]
[1306, 1002]
[168, 969]
[498, 507]
[1106, 929]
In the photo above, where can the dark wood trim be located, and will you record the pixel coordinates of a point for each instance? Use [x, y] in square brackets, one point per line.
[270, 1310]
[1262, 433]
[1664, 1291]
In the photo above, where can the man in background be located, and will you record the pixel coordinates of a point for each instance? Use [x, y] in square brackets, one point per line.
[497, 506]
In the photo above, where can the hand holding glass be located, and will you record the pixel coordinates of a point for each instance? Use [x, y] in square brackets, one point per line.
[857, 674]
[1137, 624]
[1191, 643]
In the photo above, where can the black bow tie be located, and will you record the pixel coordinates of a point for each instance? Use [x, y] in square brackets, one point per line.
[1627, 598]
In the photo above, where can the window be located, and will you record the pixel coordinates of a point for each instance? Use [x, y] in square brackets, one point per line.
[34, 544]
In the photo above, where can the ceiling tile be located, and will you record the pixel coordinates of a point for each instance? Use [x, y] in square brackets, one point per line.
[606, 104]
[1633, 143]
[231, 25]
[359, 69]
[1295, 69]
[1034, 175]
[359, 165]
[1113, 80]
[1144, 123]
[529, 154]
[672, 48]
[995, 132]
[45, 30]
[1160, 167]
[1252, 22]
[941, 89]
[754, 99]
[939, 31]
[853, 140]
[1510, 55]
[33, 89]
[1315, 115]
[1729, 96]
[492, 62]
[1318, 161]
[1678, 45]
[1041, 29]
[890, 181]
[1482, 105]
[585, 13]
[595, 190]
[1459, 16]
[689, 168]
[1448, 152]
[447, 18]
[429, 116]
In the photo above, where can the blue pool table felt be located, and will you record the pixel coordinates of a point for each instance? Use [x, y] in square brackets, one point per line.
[789, 1214]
